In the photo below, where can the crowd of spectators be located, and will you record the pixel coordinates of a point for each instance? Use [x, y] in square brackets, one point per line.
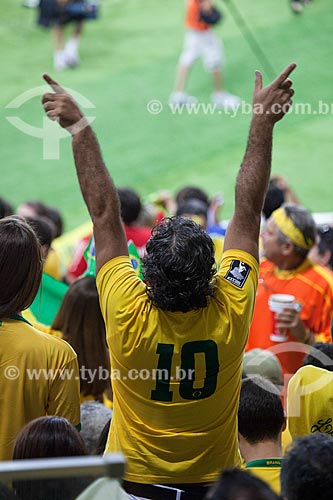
[157, 363]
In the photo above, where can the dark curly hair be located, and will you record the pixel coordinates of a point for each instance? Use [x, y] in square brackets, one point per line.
[179, 265]
[307, 469]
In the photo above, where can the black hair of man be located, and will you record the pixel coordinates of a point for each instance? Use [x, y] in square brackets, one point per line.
[307, 470]
[325, 244]
[5, 208]
[36, 206]
[192, 206]
[260, 411]
[236, 484]
[190, 193]
[55, 216]
[130, 205]
[179, 265]
[273, 200]
[315, 359]
[44, 229]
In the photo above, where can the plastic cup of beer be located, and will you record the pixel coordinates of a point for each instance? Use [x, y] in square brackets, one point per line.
[277, 302]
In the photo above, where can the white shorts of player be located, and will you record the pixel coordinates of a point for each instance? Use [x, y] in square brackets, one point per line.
[203, 44]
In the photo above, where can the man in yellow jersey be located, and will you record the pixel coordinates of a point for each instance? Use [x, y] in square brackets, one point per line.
[261, 421]
[177, 341]
[39, 373]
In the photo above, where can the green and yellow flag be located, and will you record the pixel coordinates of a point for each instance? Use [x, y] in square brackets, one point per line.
[89, 255]
[48, 299]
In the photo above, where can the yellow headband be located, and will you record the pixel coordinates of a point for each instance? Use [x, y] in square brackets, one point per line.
[288, 228]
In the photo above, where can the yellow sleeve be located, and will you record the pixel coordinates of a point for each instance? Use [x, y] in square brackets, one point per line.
[119, 289]
[47, 329]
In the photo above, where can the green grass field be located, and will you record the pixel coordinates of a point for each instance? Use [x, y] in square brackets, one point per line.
[129, 58]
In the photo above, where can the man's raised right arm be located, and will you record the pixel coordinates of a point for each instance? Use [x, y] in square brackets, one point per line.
[270, 104]
[97, 186]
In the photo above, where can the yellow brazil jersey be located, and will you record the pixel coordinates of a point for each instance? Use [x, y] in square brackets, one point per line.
[310, 401]
[38, 377]
[44, 328]
[176, 376]
[57, 333]
[267, 470]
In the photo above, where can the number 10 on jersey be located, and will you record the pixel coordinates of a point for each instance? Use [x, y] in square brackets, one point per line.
[187, 390]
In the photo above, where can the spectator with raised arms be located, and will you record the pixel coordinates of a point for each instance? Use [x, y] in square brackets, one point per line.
[178, 426]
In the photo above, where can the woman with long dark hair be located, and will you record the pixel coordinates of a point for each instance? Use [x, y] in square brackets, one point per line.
[80, 321]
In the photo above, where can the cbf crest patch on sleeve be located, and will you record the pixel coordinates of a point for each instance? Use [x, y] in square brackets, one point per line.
[238, 273]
